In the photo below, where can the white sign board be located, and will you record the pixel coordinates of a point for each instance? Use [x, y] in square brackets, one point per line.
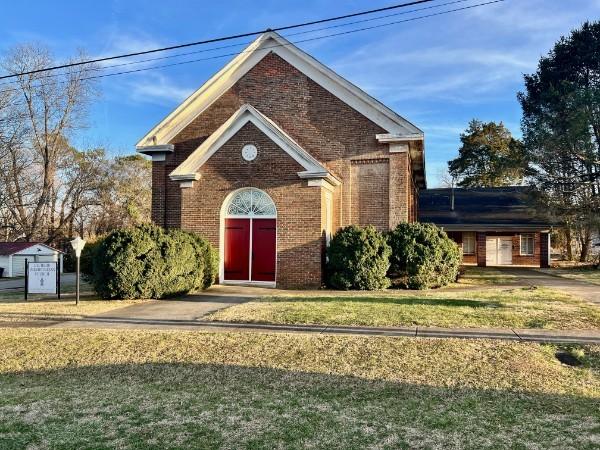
[41, 278]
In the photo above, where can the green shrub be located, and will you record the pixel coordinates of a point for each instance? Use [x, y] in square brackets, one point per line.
[211, 264]
[149, 262]
[423, 256]
[69, 261]
[358, 258]
[86, 261]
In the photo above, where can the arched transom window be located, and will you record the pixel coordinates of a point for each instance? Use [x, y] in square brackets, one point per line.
[251, 202]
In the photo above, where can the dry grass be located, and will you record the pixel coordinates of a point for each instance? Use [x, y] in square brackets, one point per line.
[151, 389]
[485, 276]
[490, 308]
[13, 307]
[18, 310]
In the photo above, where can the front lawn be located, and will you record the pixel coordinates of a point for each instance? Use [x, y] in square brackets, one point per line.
[485, 276]
[14, 308]
[153, 389]
[19, 310]
[498, 308]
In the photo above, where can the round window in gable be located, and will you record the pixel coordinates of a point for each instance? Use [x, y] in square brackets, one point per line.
[249, 152]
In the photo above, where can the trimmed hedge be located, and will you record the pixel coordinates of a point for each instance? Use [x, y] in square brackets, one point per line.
[149, 262]
[423, 256]
[88, 254]
[358, 258]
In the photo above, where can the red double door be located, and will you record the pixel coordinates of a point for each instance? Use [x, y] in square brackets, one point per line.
[250, 253]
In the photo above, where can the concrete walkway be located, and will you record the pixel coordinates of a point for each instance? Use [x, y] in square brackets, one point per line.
[188, 314]
[527, 335]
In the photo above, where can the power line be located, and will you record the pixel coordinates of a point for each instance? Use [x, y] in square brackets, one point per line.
[282, 45]
[141, 61]
[219, 39]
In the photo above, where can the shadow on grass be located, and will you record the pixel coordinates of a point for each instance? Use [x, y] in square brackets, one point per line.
[213, 406]
[64, 296]
[450, 302]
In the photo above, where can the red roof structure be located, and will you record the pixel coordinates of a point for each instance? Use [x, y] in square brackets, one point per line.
[10, 248]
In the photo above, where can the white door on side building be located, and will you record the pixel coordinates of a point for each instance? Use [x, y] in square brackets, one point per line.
[498, 251]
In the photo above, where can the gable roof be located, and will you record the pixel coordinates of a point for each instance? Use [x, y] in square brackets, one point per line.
[188, 169]
[268, 42]
[10, 248]
[503, 207]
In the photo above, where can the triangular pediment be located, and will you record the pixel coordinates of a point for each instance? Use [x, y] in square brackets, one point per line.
[189, 169]
[266, 43]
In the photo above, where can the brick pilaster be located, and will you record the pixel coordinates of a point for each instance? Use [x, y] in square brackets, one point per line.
[544, 250]
[158, 193]
[399, 189]
[481, 256]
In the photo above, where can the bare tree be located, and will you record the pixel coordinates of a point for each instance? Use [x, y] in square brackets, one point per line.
[42, 112]
[126, 200]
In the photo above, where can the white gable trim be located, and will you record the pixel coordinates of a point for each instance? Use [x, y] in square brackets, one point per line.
[188, 169]
[268, 42]
[37, 249]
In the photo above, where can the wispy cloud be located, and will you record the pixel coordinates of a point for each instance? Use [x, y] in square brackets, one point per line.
[152, 86]
[476, 56]
[118, 43]
[435, 72]
[155, 87]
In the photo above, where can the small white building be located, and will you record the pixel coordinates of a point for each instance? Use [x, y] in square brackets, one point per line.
[13, 255]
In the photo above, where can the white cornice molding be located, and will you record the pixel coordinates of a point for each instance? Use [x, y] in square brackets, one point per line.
[326, 176]
[386, 138]
[268, 42]
[189, 168]
[185, 181]
[157, 152]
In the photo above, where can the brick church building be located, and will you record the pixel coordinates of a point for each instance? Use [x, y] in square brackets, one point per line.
[272, 155]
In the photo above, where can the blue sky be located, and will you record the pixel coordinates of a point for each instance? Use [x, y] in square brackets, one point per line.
[438, 72]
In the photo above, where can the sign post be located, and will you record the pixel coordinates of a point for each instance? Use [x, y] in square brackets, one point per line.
[26, 271]
[41, 278]
[77, 245]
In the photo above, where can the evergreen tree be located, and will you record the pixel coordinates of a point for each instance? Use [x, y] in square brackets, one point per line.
[489, 157]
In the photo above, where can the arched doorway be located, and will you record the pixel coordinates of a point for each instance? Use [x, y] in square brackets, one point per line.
[249, 237]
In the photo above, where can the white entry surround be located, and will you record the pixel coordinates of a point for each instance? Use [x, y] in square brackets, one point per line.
[498, 250]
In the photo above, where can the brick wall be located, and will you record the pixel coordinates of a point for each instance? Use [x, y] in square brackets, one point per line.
[378, 189]
[299, 221]
[322, 124]
[544, 250]
[399, 189]
[480, 248]
[370, 194]
[479, 257]
[456, 236]
[526, 260]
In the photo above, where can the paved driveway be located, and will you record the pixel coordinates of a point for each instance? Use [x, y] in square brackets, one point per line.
[548, 278]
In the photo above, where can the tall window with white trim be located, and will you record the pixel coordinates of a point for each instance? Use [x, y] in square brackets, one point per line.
[527, 244]
[468, 243]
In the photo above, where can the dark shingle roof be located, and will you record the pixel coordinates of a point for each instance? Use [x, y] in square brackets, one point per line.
[504, 206]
